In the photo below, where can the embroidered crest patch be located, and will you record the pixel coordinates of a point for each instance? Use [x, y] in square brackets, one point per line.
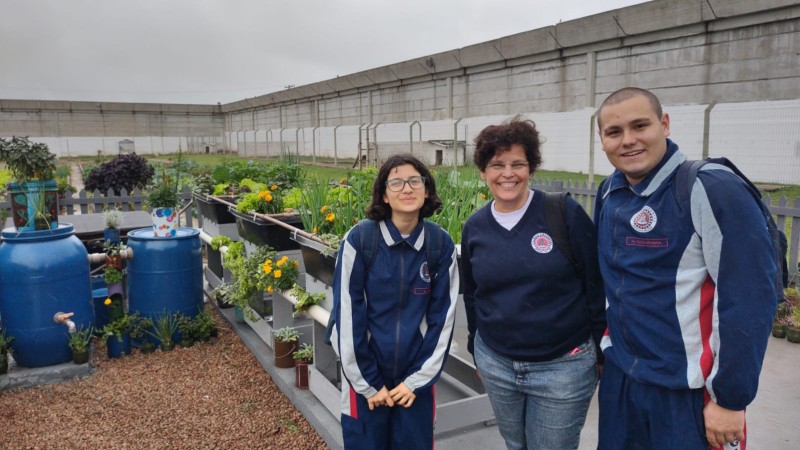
[423, 272]
[542, 243]
[644, 220]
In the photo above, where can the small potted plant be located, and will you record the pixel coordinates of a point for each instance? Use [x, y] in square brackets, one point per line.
[113, 278]
[79, 344]
[781, 323]
[139, 334]
[116, 335]
[220, 295]
[112, 219]
[204, 326]
[186, 329]
[793, 320]
[113, 254]
[166, 325]
[163, 201]
[5, 350]
[303, 357]
[285, 345]
[34, 193]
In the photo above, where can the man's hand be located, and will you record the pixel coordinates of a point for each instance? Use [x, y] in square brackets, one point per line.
[380, 399]
[402, 395]
[722, 425]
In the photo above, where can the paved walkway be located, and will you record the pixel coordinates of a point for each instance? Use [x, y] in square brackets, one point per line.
[773, 419]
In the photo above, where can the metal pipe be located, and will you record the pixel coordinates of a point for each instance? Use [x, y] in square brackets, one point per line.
[268, 137]
[707, 127]
[455, 141]
[335, 148]
[411, 135]
[64, 319]
[591, 147]
[314, 144]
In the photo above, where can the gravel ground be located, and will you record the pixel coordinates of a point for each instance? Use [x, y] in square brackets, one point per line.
[212, 395]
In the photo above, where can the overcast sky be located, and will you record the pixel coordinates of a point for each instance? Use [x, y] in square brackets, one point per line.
[209, 51]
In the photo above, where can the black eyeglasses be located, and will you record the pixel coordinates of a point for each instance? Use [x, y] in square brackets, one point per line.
[397, 184]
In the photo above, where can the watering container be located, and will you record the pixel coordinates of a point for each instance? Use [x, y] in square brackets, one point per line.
[43, 273]
[166, 273]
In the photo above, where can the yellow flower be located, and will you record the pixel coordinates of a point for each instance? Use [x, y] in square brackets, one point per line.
[263, 194]
[330, 217]
[343, 181]
[273, 187]
[267, 268]
[295, 264]
[285, 258]
[280, 263]
[107, 302]
[324, 209]
[277, 274]
[483, 196]
[315, 229]
[269, 289]
[268, 197]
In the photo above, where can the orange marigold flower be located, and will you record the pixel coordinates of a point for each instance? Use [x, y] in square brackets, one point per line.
[108, 301]
[343, 181]
[273, 187]
[330, 217]
[483, 196]
[324, 209]
[278, 274]
[315, 229]
[269, 289]
[295, 264]
[280, 263]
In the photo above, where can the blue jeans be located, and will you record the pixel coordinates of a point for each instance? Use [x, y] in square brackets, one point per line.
[539, 405]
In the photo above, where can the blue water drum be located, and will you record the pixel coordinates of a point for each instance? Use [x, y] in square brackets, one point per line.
[43, 273]
[165, 275]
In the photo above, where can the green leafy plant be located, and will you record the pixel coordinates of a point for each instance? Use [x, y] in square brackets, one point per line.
[112, 275]
[118, 327]
[112, 218]
[305, 299]
[5, 342]
[267, 201]
[220, 241]
[276, 273]
[204, 326]
[186, 327]
[163, 191]
[304, 354]
[79, 339]
[164, 328]
[461, 195]
[27, 160]
[287, 334]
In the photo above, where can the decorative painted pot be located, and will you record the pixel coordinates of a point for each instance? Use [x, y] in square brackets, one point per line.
[779, 330]
[31, 199]
[793, 335]
[165, 222]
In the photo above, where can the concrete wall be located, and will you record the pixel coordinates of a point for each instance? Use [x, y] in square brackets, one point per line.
[687, 51]
[83, 128]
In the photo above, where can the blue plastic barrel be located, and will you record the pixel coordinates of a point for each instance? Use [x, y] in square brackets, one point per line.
[166, 273]
[43, 273]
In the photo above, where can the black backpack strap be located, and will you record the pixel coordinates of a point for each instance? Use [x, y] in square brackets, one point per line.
[555, 211]
[433, 243]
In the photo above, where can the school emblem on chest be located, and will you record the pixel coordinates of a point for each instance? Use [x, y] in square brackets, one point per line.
[424, 273]
[644, 220]
[542, 243]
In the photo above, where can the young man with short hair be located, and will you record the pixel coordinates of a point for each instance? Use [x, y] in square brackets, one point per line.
[690, 297]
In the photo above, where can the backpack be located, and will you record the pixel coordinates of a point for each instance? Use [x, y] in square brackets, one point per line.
[684, 181]
[368, 244]
[555, 212]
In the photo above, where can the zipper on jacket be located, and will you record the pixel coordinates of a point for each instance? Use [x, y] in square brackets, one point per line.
[399, 311]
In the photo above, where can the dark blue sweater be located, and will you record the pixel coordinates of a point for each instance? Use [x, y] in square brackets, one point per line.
[524, 296]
